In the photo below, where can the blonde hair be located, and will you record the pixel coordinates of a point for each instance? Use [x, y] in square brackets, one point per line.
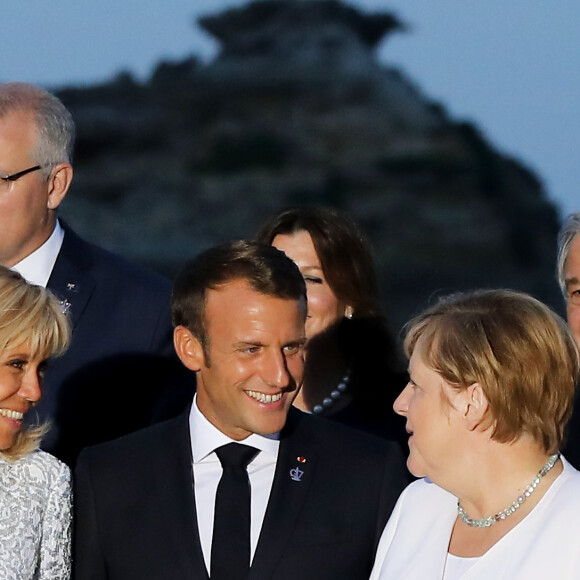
[30, 315]
[520, 352]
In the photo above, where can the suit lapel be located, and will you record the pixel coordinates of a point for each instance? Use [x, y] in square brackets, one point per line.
[70, 280]
[172, 471]
[294, 473]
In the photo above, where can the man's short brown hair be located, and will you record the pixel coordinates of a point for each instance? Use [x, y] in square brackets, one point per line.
[266, 269]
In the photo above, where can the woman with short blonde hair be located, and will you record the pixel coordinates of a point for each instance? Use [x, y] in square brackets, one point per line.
[513, 346]
[492, 380]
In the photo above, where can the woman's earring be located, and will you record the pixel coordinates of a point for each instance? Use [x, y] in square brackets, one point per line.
[348, 312]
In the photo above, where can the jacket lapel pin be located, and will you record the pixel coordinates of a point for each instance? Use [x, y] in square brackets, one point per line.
[296, 473]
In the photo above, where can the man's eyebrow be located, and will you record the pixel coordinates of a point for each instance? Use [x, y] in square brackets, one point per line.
[573, 280]
[243, 343]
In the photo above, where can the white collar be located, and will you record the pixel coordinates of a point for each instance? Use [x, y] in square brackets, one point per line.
[206, 438]
[37, 267]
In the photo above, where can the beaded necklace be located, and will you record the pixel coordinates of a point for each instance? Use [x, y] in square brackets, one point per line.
[328, 402]
[508, 511]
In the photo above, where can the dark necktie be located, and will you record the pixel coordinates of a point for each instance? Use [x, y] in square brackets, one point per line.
[230, 545]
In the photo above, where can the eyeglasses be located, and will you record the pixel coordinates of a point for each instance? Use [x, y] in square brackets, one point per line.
[5, 181]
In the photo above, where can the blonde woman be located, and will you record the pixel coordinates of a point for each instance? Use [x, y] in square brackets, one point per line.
[492, 381]
[35, 491]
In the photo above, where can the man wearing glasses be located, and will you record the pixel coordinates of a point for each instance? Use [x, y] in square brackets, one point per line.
[107, 382]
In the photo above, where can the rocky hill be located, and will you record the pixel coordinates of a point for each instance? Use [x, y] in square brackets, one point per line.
[296, 109]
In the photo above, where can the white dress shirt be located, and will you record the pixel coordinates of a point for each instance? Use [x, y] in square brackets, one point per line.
[207, 471]
[37, 267]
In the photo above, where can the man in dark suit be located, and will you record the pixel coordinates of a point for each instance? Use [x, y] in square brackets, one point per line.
[150, 505]
[109, 380]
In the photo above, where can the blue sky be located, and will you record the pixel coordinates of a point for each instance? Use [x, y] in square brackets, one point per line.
[511, 66]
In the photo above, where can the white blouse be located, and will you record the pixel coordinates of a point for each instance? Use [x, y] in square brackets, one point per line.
[545, 544]
[35, 518]
[456, 566]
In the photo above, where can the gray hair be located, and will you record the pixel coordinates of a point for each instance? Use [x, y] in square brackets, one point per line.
[54, 123]
[568, 232]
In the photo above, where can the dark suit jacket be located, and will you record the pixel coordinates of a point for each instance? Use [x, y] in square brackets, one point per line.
[136, 515]
[571, 448]
[121, 354]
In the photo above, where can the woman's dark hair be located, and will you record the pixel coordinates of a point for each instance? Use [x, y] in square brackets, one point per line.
[368, 348]
[342, 250]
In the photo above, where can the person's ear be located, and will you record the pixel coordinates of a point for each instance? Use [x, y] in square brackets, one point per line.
[188, 348]
[58, 184]
[475, 406]
[348, 312]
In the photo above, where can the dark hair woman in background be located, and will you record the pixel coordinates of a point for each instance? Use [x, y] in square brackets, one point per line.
[352, 372]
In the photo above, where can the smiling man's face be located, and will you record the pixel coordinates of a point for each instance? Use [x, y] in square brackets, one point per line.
[255, 361]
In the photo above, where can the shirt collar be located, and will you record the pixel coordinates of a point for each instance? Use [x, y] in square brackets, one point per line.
[37, 267]
[206, 438]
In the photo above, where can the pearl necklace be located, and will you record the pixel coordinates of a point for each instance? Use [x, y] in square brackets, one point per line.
[508, 511]
[327, 402]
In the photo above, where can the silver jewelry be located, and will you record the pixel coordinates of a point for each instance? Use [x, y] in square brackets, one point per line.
[508, 511]
[327, 402]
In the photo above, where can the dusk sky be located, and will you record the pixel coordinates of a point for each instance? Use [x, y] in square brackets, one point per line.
[510, 66]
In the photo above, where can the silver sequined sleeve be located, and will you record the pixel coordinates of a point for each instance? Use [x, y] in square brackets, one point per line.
[55, 545]
[35, 518]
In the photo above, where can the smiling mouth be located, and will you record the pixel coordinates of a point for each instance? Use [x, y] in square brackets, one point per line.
[262, 398]
[11, 414]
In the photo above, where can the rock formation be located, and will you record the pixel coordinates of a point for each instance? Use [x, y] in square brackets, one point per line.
[297, 109]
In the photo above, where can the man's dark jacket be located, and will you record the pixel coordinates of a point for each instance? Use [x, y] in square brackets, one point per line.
[121, 356]
[136, 514]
